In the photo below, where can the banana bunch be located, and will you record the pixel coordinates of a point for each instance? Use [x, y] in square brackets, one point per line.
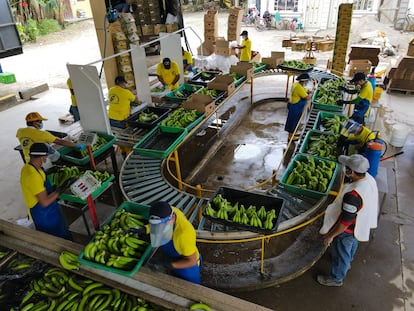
[65, 173]
[333, 124]
[144, 117]
[20, 264]
[113, 246]
[69, 261]
[180, 118]
[311, 174]
[221, 208]
[59, 290]
[328, 92]
[100, 142]
[322, 145]
[100, 176]
[199, 307]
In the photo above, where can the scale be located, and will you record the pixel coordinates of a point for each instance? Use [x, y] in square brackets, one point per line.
[87, 184]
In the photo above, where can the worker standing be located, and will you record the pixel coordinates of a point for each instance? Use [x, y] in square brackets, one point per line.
[245, 47]
[187, 61]
[39, 196]
[74, 105]
[120, 98]
[364, 99]
[297, 102]
[175, 235]
[33, 133]
[168, 73]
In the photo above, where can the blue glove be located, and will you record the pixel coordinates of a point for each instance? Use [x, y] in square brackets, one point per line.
[80, 147]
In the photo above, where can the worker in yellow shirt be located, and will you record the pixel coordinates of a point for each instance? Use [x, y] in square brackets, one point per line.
[245, 47]
[33, 133]
[187, 61]
[354, 136]
[120, 98]
[74, 105]
[168, 73]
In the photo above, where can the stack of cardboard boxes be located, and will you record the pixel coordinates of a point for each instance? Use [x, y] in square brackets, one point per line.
[401, 77]
[369, 52]
[210, 33]
[234, 24]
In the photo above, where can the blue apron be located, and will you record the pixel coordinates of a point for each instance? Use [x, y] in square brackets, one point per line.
[191, 274]
[294, 113]
[49, 219]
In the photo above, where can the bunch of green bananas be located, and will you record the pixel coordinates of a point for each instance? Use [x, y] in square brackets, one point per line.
[322, 145]
[328, 92]
[296, 64]
[69, 261]
[185, 93]
[20, 264]
[144, 117]
[180, 118]
[221, 208]
[59, 290]
[212, 93]
[333, 124]
[65, 173]
[113, 246]
[100, 142]
[100, 176]
[311, 174]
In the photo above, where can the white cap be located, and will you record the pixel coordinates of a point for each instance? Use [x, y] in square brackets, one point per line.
[356, 162]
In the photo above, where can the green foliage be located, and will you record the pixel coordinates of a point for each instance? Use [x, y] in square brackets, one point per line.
[47, 26]
[23, 36]
[31, 30]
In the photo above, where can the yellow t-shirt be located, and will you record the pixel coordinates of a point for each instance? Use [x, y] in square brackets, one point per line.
[32, 182]
[366, 92]
[187, 58]
[120, 103]
[29, 135]
[184, 236]
[363, 137]
[298, 92]
[168, 75]
[72, 94]
[246, 53]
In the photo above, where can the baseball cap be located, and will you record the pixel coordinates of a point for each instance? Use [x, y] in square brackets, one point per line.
[160, 209]
[356, 162]
[358, 76]
[244, 33]
[39, 150]
[34, 116]
[120, 79]
[303, 77]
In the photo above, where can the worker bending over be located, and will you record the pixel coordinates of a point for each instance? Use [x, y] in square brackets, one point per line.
[168, 73]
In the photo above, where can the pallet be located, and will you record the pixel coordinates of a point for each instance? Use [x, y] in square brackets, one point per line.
[405, 91]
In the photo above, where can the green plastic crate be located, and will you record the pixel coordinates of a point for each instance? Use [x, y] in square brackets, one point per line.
[184, 87]
[302, 191]
[7, 77]
[260, 67]
[239, 78]
[325, 115]
[312, 133]
[160, 141]
[68, 196]
[69, 153]
[134, 208]
[322, 106]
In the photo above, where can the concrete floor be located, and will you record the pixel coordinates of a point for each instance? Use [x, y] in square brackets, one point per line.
[382, 272]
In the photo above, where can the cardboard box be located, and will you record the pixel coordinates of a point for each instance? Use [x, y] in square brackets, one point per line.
[235, 19]
[243, 68]
[325, 45]
[277, 54]
[211, 25]
[256, 57]
[171, 27]
[309, 60]
[399, 84]
[211, 16]
[223, 51]
[200, 102]
[159, 28]
[210, 33]
[410, 51]
[236, 11]
[207, 48]
[222, 83]
[359, 65]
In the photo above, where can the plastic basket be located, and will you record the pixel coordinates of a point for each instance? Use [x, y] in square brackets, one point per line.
[84, 186]
[238, 78]
[302, 191]
[134, 208]
[190, 126]
[160, 141]
[133, 120]
[7, 78]
[313, 133]
[190, 89]
[73, 155]
[324, 106]
[258, 67]
[287, 68]
[248, 198]
[201, 79]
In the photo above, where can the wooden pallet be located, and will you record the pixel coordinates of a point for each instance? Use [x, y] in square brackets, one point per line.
[405, 91]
